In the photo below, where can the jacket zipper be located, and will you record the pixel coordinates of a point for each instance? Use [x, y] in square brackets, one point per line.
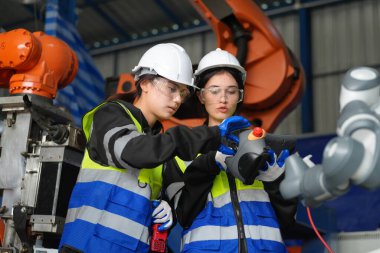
[237, 211]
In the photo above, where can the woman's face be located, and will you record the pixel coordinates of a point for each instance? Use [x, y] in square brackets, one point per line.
[220, 96]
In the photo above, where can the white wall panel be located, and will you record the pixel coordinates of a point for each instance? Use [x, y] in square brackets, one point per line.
[326, 103]
[128, 59]
[106, 64]
[288, 27]
[195, 45]
[343, 36]
[292, 123]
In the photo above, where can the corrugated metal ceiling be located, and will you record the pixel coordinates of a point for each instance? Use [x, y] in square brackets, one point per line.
[104, 23]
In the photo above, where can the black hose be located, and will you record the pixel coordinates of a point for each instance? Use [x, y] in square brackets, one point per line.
[240, 37]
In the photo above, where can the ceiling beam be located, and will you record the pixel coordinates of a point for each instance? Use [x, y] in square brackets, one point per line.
[115, 25]
[168, 12]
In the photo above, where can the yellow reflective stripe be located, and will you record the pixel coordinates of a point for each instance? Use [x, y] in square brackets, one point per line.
[87, 121]
[181, 164]
[153, 177]
[221, 185]
[90, 164]
[156, 181]
[257, 185]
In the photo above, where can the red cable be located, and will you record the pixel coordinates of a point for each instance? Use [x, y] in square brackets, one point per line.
[316, 231]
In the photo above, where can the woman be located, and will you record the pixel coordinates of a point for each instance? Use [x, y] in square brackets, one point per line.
[217, 211]
[110, 209]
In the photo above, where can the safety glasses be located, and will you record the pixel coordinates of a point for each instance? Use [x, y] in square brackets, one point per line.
[215, 92]
[170, 89]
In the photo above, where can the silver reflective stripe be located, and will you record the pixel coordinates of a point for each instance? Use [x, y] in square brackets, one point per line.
[127, 180]
[253, 195]
[187, 163]
[87, 213]
[176, 199]
[205, 233]
[173, 188]
[91, 175]
[243, 195]
[108, 136]
[125, 226]
[120, 144]
[262, 232]
[109, 220]
[222, 200]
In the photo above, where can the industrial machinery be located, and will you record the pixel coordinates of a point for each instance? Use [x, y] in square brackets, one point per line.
[353, 157]
[274, 84]
[40, 149]
[350, 159]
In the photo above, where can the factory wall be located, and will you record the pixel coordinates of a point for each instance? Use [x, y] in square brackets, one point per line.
[343, 36]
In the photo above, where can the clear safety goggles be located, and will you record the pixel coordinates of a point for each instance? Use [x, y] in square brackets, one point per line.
[170, 89]
[215, 92]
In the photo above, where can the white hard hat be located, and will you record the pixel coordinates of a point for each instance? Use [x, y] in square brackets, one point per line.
[168, 60]
[219, 58]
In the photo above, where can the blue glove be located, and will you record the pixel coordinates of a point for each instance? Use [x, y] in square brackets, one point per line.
[275, 167]
[162, 213]
[226, 128]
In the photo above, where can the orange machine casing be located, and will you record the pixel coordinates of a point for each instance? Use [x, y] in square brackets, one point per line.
[35, 63]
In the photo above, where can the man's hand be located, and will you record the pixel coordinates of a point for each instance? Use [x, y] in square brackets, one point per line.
[162, 214]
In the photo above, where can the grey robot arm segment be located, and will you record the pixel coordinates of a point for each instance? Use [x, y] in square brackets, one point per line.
[353, 157]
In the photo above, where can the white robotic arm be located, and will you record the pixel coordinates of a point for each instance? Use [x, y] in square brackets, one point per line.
[353, 157]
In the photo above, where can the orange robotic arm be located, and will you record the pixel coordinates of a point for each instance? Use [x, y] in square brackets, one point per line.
[35, 63]
[274, 84]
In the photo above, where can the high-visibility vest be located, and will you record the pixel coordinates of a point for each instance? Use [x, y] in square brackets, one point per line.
[110, 208]
[215, 228]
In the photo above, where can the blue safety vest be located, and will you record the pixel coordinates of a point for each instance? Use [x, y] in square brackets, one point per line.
[110, 208]
[215, 228]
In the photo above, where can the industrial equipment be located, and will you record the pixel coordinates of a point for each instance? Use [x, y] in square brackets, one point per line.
[350, 159]
[353, 157]
[275, 78]
[40, 149]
